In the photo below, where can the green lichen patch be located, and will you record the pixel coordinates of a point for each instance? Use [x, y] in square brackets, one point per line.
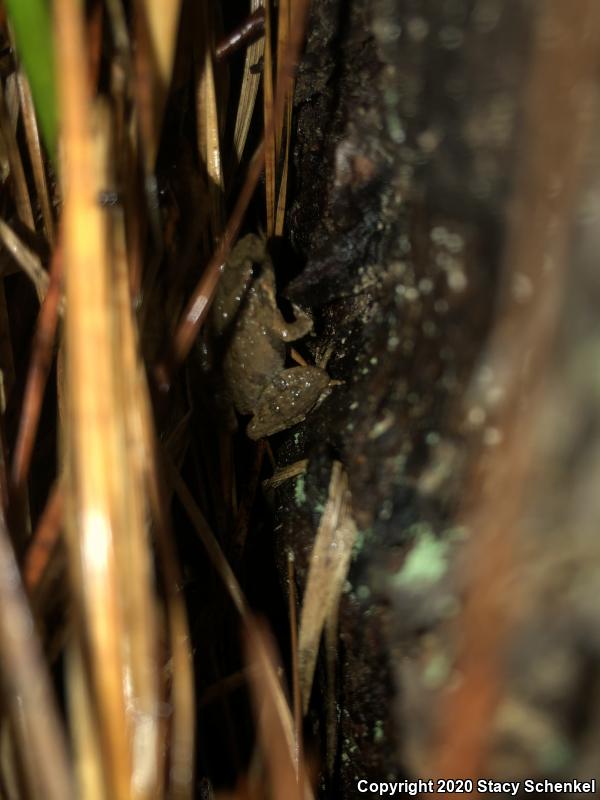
[426, 562]
[300, 491]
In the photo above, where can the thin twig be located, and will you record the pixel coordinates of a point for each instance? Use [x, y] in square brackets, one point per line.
[37, 376]
[25, 258]
[296, 695]
[249, 31]
[44, 540]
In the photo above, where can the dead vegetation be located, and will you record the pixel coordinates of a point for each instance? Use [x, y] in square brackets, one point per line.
[89, 227]
[138, 141]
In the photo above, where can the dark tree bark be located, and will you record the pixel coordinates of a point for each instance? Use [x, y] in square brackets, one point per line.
[407, 117]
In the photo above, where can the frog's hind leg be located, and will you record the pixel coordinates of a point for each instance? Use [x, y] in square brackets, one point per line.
[286, 400]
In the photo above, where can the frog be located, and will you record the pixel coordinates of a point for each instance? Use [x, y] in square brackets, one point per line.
[252, 335]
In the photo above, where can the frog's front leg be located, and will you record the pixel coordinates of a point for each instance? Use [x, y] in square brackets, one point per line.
[291, 331]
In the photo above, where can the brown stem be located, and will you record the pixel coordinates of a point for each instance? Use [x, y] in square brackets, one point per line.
[249, 31]
[39, 369]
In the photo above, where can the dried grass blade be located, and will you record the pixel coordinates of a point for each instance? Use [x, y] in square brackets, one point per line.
[329, 563]
[90, 779]
[163, 23]
[22, 199]
[283, 33]
[25, 258]
[270, 124]
[287, 66]
[284, 127]
[157, 24]
[287, 777]
[208, 125]
[13, 104]
[35, 154]
[182, 697]
[248, 92]
[282, 195]
[134, 550]
[13, 784]
[30, 701]
[207, 537]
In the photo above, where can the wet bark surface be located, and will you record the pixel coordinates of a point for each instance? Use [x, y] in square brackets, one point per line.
[407, 115]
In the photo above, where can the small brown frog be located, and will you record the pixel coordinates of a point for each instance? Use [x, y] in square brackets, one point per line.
[253, 335]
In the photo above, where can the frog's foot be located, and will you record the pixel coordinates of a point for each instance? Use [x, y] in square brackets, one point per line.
[303, 324]
[286, 401]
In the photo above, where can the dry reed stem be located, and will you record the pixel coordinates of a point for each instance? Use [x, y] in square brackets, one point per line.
[559, 114]
[133, 547]
[90, 435]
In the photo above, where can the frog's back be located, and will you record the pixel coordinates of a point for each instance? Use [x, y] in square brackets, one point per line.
[235, 281]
